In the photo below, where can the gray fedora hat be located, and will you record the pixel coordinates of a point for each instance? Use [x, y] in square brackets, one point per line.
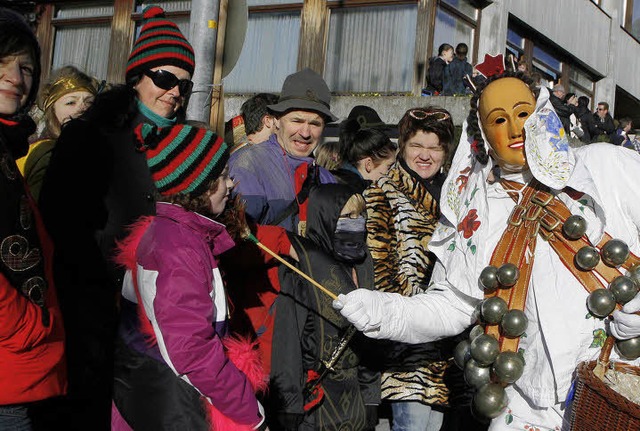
[304, 91]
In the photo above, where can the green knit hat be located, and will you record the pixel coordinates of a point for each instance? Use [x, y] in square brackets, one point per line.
[182, 159]
[160, 43]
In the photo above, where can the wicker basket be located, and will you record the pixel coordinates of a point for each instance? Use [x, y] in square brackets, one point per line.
[597, 407]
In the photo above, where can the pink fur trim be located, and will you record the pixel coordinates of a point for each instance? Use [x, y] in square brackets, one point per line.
[126, 249]
[244, 354]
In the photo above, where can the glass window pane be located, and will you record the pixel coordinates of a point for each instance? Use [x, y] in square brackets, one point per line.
[270, 2]
[86, 48]
[269, 54]
[84, 11]
[169, 6]
[361, 57]
[580, 77]
[449, 29]
[463, 6]
[515, 39]
[635, 19]
[544, 57]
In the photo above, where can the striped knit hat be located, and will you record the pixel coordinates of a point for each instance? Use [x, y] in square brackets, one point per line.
[160, 43]
[182, 159]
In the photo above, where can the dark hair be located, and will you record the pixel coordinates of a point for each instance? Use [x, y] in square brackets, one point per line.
[16, 38]
[444, 47]
[369, 143]
[568, 96]
[605, 104]
[462, 50]
[473, 128]
[409, 126]
[583, 101]
[199, 204]
[254, 109]
[624, 122]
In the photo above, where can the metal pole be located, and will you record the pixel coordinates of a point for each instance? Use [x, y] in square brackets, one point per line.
[202, 35]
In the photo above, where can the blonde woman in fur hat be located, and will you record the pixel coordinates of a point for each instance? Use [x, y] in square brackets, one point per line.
[67, 95]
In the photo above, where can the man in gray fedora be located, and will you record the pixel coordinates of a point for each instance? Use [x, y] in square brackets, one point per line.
[269, 176]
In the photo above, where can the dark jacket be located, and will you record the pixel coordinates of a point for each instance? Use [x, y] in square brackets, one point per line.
[307, 330]
[96, 185]
[436, 74]
[602, 129]
[564, 111]
[453, 76]
[586, 122]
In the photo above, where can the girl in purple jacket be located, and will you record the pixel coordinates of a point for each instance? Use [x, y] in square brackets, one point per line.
[172, 370]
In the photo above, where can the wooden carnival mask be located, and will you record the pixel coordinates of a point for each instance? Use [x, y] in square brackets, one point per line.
[503, 107]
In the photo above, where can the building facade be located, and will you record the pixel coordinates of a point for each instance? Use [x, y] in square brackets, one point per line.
[376, 52]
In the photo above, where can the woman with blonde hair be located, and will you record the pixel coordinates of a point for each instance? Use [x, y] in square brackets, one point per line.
[67, 95]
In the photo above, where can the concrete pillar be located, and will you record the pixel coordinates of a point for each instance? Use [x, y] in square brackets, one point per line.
[202, 36]
[606, 87]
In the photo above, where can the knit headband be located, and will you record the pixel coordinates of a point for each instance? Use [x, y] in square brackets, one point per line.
[182, 159]
[65, 85]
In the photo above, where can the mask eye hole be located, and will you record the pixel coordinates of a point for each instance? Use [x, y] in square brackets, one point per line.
[500, 120]
[523, 114]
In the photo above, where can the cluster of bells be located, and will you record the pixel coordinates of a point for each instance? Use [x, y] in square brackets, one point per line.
[486, 368]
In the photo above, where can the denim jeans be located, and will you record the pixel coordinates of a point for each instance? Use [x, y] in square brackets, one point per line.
[414, 416]
[15, 418]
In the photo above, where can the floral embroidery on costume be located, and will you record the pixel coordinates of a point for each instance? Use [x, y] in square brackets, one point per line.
[469, 224]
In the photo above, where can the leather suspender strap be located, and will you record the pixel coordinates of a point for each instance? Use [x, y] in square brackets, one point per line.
[540, 213]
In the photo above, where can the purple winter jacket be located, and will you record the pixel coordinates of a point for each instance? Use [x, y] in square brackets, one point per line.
[183, 295]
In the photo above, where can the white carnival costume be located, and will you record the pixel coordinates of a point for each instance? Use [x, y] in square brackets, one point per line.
[598, 182]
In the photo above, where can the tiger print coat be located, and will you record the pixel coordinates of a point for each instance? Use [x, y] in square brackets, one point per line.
[401, 217]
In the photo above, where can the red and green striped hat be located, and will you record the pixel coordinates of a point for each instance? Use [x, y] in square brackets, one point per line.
[160, 43]
[182, 159]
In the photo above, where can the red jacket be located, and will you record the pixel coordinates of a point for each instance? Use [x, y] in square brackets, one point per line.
[32, 363]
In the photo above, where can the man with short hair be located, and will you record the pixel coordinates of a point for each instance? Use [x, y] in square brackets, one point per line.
[266, 174]
[454, 73]
[563, 110]
[258, 121]
[621, 136]
[603, 127]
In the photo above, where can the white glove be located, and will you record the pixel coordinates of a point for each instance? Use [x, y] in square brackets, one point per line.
[626, 324]
[363, 308]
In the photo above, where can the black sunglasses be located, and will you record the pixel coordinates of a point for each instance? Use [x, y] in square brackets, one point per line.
[167, 80]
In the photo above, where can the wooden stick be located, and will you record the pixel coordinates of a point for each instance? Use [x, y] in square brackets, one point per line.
[293, 268]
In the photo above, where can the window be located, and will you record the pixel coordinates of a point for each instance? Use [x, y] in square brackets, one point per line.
[551, 62]
[269, 53]
[82, 37]
[362, 58]
[631, 21]
[456, 22]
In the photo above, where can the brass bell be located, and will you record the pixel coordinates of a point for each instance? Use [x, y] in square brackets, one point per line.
[462, 353]
[514, 323]
[476, 375]
[634, 274]
[587, 258]
[574, 227]
[624, 289]
[484, 349]
[488, 278]
[601, 302]
[508, 274]
[629, 349]
[493, 309]
[508, 367]
[614, 253]
[490, 400]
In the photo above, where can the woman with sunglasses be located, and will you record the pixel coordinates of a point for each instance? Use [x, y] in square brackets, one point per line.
[96, 184]
[403, 210]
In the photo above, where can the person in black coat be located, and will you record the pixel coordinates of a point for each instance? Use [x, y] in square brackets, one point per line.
[96, 185]
[603, 127]
[437, 66]
[585, 117]
[308, 330]
[563, 110]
